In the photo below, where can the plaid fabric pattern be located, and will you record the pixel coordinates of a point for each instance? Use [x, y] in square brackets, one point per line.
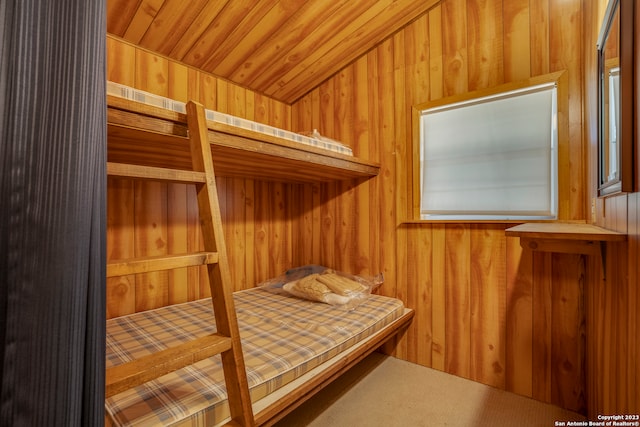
[282, 338]
[143, 97]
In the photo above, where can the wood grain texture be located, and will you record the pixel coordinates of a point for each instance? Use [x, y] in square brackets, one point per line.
[487, 305]
[458, 300]
[120, 245]
[485, 27]
[611, 293]
[567, 333]
[282, 48]
[454, 47]
[129, 65]
[517, 57]
[151, 228]
[519, 317]
[536, 296]
[511, 285]
[542, 325]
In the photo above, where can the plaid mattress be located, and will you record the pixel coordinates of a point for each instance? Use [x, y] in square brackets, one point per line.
[137, 95]
[282, 338]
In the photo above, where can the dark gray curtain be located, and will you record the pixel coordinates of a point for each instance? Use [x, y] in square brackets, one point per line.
[52, 212]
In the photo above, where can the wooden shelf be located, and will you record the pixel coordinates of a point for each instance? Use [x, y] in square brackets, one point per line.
[151, 136]
[565, 237]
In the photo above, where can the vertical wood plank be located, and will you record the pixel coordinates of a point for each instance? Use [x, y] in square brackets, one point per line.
[345, 230]
[235, 232]
[416, 48]
[567, 333]
[439, 298]
[198, 285]
[177, 87]
[485, 43]
[519, 316]
[458, 300]
[120, 245]
[208, 91]
[177, 236]
[151, 239]
[517, 49]
[542, 325]
[328, 192]
[399, 180]
[416, 89]
[121, 62]
[302, 238]
[361, 105]
[419, 294]
[316, 224]
[373, 92]
[262, 220]
[177, 233]
[539, 28]
[328, 221]
[345, 237]
[365, 235]
[249, 233]
[436, 54]
[592, 289]
[152, 73]
[488, 305]
[279, 249]
[454, 47]
[566, 54]
[387, 181]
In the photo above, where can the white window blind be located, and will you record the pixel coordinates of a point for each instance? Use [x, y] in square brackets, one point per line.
[491, 158]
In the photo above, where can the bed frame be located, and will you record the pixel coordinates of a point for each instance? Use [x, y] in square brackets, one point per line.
[277, 405]
[149, 142]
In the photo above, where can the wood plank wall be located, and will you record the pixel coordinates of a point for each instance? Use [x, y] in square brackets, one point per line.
[485, 308]
[612, 295]
[148, 218]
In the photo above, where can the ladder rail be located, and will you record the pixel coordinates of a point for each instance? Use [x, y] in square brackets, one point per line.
[159, 263]
[123, 377]
[219, 274]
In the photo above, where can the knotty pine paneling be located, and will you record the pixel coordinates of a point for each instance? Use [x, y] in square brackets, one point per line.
[486, 309]
[555, 327]
[260, 219]
[612, 297]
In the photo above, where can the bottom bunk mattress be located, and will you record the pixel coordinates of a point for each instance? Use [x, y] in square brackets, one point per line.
[282, 338]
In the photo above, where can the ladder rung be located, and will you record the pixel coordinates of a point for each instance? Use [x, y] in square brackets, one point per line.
[159, 263]
[147, 368]
[153, 173]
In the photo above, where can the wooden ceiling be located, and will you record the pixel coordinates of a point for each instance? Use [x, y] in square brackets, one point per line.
[280, 48]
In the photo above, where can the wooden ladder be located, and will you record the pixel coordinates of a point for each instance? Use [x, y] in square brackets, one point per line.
[226, 341]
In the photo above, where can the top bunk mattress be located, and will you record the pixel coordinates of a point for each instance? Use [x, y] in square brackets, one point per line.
[315, 140]
[282, 337]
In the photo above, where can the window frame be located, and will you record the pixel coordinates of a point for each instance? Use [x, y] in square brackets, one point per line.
[561, 82]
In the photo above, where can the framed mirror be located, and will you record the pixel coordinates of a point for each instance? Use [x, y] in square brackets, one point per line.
[615, 99]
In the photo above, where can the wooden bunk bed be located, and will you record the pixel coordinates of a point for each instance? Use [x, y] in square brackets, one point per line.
[151, 142]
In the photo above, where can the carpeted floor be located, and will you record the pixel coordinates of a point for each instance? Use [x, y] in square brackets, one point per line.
[384, 391]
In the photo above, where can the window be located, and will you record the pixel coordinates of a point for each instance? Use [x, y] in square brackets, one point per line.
[494, 157]
[614, 119]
